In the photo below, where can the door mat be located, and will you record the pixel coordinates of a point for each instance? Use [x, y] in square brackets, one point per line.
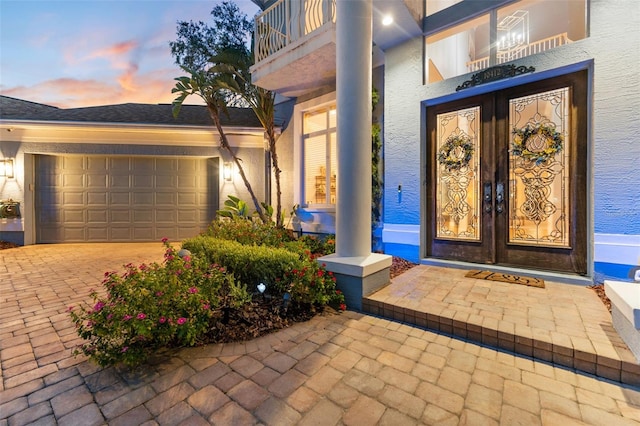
[505, 278]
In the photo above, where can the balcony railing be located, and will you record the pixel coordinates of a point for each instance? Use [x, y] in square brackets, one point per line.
[288, 21]
[521, 52]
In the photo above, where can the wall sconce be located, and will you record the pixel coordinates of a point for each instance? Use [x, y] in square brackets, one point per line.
[227, 171]
[6, 168]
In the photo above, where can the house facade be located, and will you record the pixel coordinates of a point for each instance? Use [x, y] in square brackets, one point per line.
[509, 127]
[119, 173]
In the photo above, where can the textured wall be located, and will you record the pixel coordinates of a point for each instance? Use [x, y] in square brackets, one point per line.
[614, 126]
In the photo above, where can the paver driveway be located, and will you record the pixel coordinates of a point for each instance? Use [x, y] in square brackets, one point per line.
[341, 369]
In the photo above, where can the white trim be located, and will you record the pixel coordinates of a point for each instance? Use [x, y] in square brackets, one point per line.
[617, 248]
[123, 133]
[625, 297]
[357, 266]
[609, 248]
[401, 234]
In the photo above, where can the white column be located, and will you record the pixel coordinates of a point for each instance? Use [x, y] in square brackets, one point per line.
[353, 86]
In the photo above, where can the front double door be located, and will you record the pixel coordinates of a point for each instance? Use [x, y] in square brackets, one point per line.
[507, 177]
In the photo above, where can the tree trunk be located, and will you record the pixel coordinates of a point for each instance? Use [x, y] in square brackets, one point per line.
[276, 171]
[224, 142]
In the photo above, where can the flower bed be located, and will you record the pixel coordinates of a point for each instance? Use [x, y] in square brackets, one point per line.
[208, 297]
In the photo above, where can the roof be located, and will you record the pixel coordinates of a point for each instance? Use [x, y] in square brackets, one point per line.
[130, 113]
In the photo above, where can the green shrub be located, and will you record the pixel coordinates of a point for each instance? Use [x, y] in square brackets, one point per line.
[151, 306]
[284, 270]
[249, 232]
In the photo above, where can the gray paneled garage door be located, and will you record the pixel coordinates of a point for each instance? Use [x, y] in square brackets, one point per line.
[117, 198]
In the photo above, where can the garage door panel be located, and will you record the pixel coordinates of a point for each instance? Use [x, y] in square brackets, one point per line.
[74, 234]
[187, 216]
[142, 198]
[166, 166]
[73, 163]
[119, 198]
[143, 181]
[187, 165]
[73, 217]
[98, 233]
[168, 216]
[97, 181]
[143, 216]
[76, 180]
[97, 199]
[166, 199]
[120, 181]
[166, 182]
[187, 182]
[120, 233]
[120, 215]
[97, 164]
[144, 233]
[71, 198]
[144, 164]
[187, 199]
[119, 165]
[98, 216]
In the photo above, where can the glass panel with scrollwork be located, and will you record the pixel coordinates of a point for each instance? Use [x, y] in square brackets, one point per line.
[458, 175]
[539, 169]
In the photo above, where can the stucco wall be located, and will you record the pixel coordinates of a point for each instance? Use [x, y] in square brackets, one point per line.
[612, 51]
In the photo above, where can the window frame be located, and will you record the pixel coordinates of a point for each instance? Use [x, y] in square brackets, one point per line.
[322, 102]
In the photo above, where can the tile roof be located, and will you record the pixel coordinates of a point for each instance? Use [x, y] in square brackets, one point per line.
[158, 114]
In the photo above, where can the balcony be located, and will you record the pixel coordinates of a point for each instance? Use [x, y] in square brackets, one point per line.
[295, 42]
[298, 35]
[529, 49]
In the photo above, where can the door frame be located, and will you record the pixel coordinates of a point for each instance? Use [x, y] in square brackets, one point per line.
[586, 67]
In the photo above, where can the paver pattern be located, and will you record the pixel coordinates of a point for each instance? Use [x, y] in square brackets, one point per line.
[561, 323]
[342, 369]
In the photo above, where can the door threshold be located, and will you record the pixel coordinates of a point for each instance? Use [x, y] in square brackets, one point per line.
[558, 277]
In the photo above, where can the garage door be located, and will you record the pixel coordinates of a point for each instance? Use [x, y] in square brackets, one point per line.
[115, 198]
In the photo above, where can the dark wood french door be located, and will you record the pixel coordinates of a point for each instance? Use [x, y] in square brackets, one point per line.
[507, 177]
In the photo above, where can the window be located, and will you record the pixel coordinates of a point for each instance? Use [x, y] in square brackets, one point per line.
[319, 156]
[502, 35]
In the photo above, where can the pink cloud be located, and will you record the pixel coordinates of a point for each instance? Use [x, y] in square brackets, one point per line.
[127, 80]
[129, 87]
[121, 48]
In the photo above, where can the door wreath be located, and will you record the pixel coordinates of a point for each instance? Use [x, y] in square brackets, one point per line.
[456, 152]
[537, 143]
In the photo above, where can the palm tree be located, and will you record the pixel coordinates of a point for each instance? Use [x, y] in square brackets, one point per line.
[235, 64]
[212, 88]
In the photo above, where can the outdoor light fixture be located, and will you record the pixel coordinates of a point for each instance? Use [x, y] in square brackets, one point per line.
[228, 171]
[261, 288]
[387, 20]
[6, 167]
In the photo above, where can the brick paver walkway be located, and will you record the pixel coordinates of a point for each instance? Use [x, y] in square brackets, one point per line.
[560, 323]
[346, 369]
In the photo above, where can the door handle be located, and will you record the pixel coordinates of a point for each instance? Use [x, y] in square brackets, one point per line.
[499, 197]
[487, 196]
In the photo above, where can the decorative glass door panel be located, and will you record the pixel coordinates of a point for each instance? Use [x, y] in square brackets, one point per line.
[507, 177]
[539, 169]
[458, 201]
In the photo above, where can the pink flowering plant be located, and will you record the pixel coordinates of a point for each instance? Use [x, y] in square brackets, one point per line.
[155, 305]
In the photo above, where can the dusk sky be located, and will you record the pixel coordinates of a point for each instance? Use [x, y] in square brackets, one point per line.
[89, 52]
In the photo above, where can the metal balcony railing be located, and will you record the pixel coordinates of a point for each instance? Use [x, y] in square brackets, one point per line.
[521, 52]
[287, 21]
